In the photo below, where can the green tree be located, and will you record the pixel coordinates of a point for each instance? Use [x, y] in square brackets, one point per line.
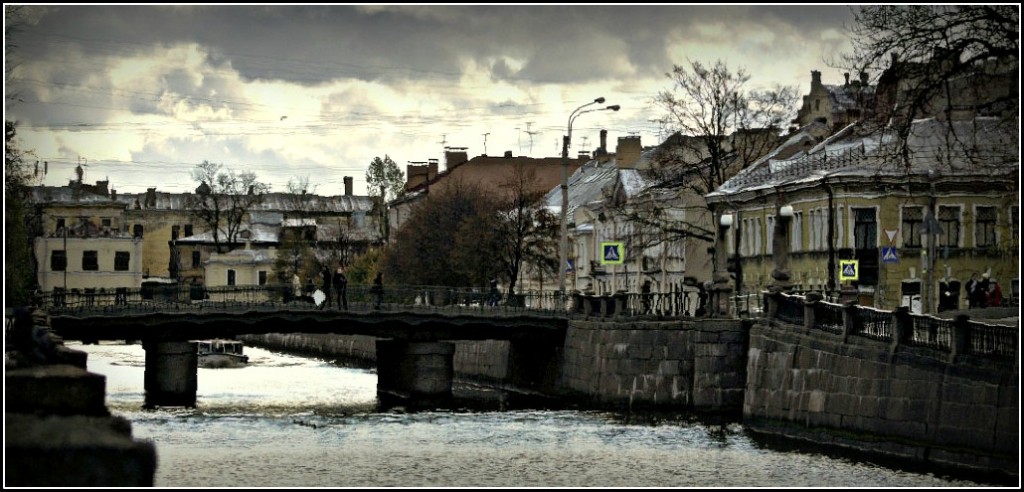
[423, 251]
[385, 182]
[223, 199]
[508, 233]
[20, 221]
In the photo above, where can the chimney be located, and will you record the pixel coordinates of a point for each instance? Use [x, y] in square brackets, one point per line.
[508, 154]
[431, 169]
[815, 79]
[864, 78]
[627, 152]
[348, 185]
[604, 141]
[454, 156]
[113, 194]
[847, 75]
[150, 197]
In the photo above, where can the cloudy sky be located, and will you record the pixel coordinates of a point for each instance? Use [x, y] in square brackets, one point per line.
[141, 94]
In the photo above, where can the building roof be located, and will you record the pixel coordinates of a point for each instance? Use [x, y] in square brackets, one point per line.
[588, 184]
[852, 152]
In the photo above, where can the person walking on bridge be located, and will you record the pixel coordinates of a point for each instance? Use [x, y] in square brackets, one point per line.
[325, 286]
[341, 285]
[378, 289]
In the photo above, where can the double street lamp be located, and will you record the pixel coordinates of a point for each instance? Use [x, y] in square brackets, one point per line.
[563, 262]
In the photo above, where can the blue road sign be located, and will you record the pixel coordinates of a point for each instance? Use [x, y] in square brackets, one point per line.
[612, 253]
[847, 270]
[889, 254]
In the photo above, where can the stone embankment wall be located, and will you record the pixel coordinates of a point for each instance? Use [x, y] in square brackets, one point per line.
[648, 364]
[58, 431]
[861, 394]
[658, 364]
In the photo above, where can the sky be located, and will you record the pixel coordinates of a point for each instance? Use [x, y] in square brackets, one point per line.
[141, 94]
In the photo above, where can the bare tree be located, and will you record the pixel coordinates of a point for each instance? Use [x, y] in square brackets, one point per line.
[721, 126]
[946, 61]
[223, 199]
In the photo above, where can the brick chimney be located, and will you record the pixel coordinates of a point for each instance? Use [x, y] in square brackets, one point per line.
[348, 185]
[604, 141]
[627, 152]
[815, 79]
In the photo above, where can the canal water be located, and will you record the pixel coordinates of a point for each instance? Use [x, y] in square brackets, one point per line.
[291, 421]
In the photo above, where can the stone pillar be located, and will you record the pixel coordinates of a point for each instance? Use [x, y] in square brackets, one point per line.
[721, 287]
[903, 327]
[810, 300]
[961, 342]
[415, 373]
[171, 373]
[849, 320]
[780, 250]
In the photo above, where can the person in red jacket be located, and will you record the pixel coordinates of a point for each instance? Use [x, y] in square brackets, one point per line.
[995, 295]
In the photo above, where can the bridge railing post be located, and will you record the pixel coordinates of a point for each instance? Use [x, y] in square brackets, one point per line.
[961, 342]
[811, 299]
[902, 327]
[849, 319]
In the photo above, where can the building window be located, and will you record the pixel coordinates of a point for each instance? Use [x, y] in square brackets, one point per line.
[188, 230]
[105, 223]
[798, 232]
[90, 261]
[196, 259]
[985, 227]
[913, 226]
[137, 231]
[58, 260]
[175, 229]
[949, 226]
[263, 277]
[865, 229]
[60, 225]
[121, 259]
[231, 277]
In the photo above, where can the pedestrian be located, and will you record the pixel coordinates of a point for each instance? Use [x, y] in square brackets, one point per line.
[296, 289]
[645, 296]
[325, 285]
[341, 285]
[981, 291]
[971, 288]
[378, 289]
[702, 299]
[995, 295]
[494, 295]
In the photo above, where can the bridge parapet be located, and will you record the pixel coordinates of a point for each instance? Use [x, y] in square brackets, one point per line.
[958, 336]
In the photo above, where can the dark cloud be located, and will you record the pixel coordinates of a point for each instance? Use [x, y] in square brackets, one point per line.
[314, 44]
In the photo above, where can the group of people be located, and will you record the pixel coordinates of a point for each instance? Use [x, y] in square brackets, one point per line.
[983, 292]
[334, 285]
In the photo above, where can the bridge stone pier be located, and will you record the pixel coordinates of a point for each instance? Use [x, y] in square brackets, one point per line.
[171, 373]
[414, 373]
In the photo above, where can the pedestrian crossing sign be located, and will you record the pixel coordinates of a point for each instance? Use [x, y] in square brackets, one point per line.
[889, 255]
[847, 270]
[612, 253]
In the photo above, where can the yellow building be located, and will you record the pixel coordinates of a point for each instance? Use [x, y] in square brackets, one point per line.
[858, 213]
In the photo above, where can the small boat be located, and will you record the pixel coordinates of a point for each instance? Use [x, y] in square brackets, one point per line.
[221, 353]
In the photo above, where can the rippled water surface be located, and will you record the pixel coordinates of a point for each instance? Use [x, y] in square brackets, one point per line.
[288, 421]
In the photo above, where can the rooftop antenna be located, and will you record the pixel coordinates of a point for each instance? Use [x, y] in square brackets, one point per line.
[519, 139]
[485, 143]
[584, 138]
[531, 134]
[444, 140]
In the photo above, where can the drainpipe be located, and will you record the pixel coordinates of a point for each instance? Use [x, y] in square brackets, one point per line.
[831, 238]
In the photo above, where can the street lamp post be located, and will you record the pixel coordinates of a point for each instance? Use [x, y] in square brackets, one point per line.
[564, 237]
